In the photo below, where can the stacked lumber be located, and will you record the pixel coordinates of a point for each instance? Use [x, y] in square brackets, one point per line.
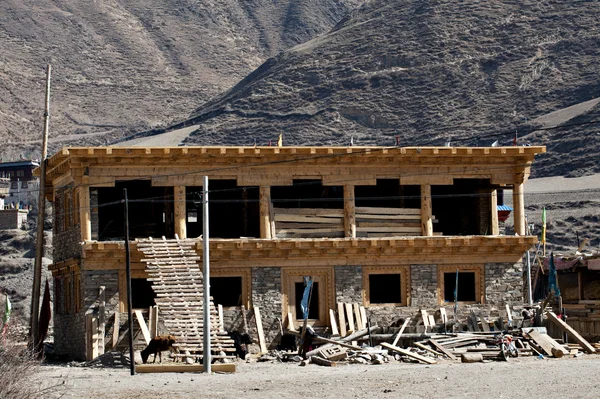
[173, 270]
[385, 222]
[308, 222]
[584, 317]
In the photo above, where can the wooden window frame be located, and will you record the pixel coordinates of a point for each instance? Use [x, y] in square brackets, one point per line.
[403, 271]
[246, 274]
[322, 275]
[479, 271]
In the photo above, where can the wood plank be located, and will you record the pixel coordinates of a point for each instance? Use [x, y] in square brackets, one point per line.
[143, 326]
[428, 349]
[397, 338]
[334, 328]
[184, 368]
[543, 341]
[444, 315]
[425, 318]
[350, 317]
[309, 212]
[431, 320]
[410, 354]
[358, 317]
[116, 327]
[259, 329]
[363, 316]
[342, 319]
[398, 229]
[291, 325]
[101, 318]
[509, 315]
[221, 324]
[440, 348]
[484, 324]
[572, 333]
[388, 211]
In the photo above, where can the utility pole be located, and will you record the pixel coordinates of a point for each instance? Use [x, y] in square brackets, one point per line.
[128, 277]
[39, 245]
[205, 260]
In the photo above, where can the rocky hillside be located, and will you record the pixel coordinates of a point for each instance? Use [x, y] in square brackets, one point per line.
[123, 66]
[429, 72]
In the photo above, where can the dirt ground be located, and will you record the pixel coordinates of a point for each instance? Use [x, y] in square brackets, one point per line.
[523, 377]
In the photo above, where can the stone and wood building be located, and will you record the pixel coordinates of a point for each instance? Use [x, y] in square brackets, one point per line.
[385, 227]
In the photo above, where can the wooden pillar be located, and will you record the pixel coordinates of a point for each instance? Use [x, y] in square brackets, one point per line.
[264, 199]
[519, 208]
[85, 218]
[494, 213]
[349, 212]
[179, 210]
[101, 318]
[426, 218]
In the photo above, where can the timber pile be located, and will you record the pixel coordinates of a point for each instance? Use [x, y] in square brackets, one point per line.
[308, 222]
[385, 222]
[370, 222]
[584, 317]
[173, 270]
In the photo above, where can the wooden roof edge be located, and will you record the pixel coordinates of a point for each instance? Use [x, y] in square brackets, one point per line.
[418, 241]
[65, 152]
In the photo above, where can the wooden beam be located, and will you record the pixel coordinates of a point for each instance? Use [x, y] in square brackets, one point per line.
[519, 208]
[401, 331]
[183, 368]
[350, 317]
[85, 218]
[143, 326]
[426, 211]
[291, 325]
[495, 230]
[265, 211]
[153, 320]
[180, 211]
[342, 319]
[116, 327]
[572, 333]
[349, 212]
[334, 328]
[408, 353]
[260, 331]
[101, 318]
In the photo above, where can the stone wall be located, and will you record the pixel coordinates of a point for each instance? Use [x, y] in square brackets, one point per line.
[503, 283]
[266, 294]
[12, 218]
[69, 329]
[65, 241]
[423, 285]
[348, 284]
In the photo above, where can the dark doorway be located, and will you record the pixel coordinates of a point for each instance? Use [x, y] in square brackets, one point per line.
[313, 307]
[388, 193]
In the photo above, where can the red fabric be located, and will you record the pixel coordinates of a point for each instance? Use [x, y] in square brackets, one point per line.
[45, 315]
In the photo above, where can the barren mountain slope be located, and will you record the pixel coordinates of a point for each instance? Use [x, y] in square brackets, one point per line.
[123, 66]
[468, 72]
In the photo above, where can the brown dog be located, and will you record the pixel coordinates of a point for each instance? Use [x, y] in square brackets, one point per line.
[157, 345]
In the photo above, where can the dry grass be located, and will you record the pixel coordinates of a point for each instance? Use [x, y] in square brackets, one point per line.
[19, 375]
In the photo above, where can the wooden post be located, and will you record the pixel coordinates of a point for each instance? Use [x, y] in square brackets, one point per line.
[85, 218]
[179, 208]
[259, 328]
[101, 318]
[342, 319]
[519, 208]
[39, 244]
[350, 317]
[334, 328]
[116, 328]
[264, 199]
[153, 320]
[349, 212]
[128, 276]
[426, 212]
[221, 323]
[495, 230]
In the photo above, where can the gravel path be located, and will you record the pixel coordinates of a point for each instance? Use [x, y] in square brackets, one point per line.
[520, 378]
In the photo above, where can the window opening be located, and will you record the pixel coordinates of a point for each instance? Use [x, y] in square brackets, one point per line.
[466, 287]
[385, 288]
[142, 294]
[226, 291]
